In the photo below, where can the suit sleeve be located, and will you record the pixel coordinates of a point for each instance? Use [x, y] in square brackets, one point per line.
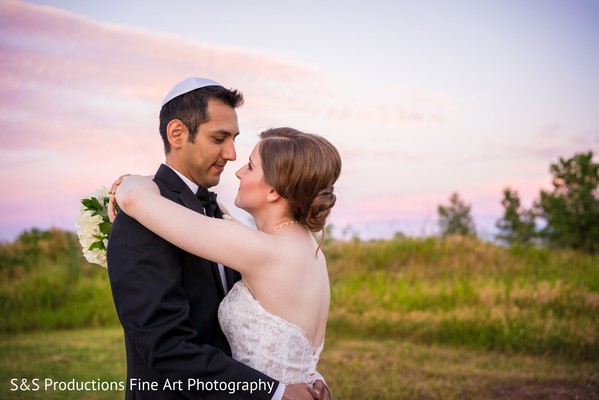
[145, 276]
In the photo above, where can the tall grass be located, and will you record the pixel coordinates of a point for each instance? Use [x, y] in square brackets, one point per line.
[465, 292]
[46, 284]
[457, 291]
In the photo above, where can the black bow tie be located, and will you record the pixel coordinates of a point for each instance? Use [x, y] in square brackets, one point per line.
[208, 200]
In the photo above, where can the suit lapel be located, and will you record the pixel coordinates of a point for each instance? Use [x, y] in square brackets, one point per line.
[187, 198]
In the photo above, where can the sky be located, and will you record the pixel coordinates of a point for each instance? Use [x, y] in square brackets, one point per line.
[422, 98]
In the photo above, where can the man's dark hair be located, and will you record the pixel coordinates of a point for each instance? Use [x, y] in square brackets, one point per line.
[191, 109]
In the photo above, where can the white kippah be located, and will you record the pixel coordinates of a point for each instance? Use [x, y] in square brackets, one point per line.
[188, 85]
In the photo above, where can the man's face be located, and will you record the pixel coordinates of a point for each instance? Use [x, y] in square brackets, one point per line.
[204, 160]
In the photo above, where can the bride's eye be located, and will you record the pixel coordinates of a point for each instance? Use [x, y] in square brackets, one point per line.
[249, 166]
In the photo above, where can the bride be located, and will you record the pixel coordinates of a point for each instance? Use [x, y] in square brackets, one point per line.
[275, 317]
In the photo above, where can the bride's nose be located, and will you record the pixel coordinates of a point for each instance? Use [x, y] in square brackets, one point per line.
[238, 173]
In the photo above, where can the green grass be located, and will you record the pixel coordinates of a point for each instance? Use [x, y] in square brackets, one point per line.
[400, 369]
[409, 319]
[62, 356]
[46, 284]
[467, 293]
[358, 368]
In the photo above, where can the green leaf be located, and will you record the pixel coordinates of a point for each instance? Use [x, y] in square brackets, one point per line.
[105, 227]
[97, 245]
[87, 203]
[96, 204]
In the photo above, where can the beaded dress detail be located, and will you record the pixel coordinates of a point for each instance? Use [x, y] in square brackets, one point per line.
[266, 342]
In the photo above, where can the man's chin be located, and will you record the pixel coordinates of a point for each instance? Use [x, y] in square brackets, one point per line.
[213, 181]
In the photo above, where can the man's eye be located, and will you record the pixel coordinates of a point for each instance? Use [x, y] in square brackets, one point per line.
[219, 140]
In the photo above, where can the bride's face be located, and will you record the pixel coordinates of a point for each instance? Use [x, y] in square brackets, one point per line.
[253, 189]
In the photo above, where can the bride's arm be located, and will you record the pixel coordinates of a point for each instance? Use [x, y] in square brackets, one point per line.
[224, 241]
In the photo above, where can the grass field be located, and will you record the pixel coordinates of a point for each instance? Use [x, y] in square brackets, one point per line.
[409, 319]
[355, 368]
[464, 292]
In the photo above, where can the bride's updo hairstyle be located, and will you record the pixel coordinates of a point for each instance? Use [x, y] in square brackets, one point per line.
[302, 168]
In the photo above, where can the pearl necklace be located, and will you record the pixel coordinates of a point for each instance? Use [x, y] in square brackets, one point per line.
[284, 224]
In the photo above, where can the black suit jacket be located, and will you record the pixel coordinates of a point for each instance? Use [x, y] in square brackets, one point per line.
[167, 301]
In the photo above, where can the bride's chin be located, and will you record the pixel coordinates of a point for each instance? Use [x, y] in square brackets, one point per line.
[239, 204]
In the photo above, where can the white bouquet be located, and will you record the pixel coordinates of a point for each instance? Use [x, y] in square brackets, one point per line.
[94, 226]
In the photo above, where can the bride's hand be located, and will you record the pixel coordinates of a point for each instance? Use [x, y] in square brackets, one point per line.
[134, 190]
[112, 205]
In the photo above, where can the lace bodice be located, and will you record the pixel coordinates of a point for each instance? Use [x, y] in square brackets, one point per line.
[264, 341]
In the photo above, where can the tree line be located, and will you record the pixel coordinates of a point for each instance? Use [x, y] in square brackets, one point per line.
[565, 217]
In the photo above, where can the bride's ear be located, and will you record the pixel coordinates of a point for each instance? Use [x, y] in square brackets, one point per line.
[272, 196]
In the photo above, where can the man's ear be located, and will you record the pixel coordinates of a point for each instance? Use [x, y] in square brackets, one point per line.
[176, 133]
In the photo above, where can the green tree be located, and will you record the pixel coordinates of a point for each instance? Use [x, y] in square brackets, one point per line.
[517, 226]
[571, 210]
[455, 219]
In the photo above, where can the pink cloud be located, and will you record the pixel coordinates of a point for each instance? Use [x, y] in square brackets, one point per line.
[74, 52]
[64, 69]
[553, 141]
[79, 107]
[398, 154]
[61, 52]
[79, 103]
[405, 108]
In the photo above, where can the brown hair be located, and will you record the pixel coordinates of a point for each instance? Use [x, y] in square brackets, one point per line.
[192, 109]
[302, 168]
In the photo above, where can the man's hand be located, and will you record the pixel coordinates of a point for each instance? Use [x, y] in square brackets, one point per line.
[300, 391]
[325, 393]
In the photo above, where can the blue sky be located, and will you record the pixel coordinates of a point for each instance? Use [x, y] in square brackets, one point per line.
[422, 98]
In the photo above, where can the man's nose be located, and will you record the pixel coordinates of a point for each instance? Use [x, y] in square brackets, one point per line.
[229, 152]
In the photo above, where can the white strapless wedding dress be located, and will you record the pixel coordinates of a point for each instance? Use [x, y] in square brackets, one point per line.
[266, 342]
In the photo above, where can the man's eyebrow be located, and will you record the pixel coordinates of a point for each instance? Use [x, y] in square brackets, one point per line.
[224, 132]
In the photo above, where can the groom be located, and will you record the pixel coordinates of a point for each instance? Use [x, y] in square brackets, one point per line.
[167, 299]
